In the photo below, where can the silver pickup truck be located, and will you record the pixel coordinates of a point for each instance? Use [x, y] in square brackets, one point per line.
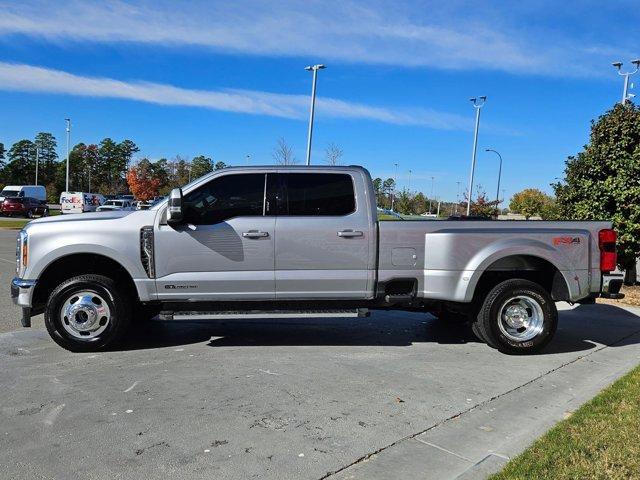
[273, 242]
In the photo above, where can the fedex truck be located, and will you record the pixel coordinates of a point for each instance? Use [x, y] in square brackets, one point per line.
[80, 202]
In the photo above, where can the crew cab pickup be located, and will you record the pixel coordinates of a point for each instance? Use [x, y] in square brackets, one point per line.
[302, 241]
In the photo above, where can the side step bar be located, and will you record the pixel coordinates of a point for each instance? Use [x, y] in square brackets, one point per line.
[249, 314]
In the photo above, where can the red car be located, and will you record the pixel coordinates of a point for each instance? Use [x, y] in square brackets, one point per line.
[25, 206]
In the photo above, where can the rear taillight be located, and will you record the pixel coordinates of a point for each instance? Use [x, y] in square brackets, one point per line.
[607, 245]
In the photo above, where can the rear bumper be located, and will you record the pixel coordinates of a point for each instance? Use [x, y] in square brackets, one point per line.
[611, 285]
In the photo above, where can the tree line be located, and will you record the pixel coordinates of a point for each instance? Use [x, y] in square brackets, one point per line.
[98, 168]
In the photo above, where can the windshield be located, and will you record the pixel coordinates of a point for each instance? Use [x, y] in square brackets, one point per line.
[9, 193]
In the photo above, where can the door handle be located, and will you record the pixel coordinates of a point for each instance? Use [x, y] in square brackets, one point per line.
[350, 233]
[255, 234]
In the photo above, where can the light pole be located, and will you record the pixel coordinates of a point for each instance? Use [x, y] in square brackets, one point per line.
[499, 175]
[477, 104]
[431, 196]
[457, 195]
[68, 120]
[626, 75]
[314, 69]
[409, 182]
[248, 159]
[393, 193]
[37, 158]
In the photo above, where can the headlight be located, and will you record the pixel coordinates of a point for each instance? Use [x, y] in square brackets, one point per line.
[22, 253]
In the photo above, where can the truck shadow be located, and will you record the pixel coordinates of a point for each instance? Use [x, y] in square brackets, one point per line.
[582, 328]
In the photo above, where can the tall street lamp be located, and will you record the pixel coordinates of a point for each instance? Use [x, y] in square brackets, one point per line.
[477, 104]
[37, 158]
[393, 193]
[431, 196]
[626, 75]
[409, 182]
[314, 69]
[68, 121]
[499, 175]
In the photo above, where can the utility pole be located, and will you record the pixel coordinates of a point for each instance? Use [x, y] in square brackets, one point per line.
[68, 120]
[477, 104]
[625, 90]
[499, 175]
[314, 69]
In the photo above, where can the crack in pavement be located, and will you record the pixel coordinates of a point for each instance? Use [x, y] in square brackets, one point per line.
[474, 407]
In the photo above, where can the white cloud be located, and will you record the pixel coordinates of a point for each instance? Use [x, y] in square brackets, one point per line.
[28, 78]
[514, 37]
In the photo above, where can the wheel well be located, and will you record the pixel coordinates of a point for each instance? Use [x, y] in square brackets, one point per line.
[529, 267]
[79, 264]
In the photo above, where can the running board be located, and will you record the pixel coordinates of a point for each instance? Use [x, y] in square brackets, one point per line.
[249, 314]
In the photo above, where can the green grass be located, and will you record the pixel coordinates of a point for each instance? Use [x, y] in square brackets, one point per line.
[601, 440]
[16, 224]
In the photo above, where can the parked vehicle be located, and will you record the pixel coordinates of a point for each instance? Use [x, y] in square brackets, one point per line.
[79, 202]
[23, 206]
[34, 191]
[273, 242]
[111, 205]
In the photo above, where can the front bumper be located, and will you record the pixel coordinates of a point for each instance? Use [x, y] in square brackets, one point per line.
[22, 294]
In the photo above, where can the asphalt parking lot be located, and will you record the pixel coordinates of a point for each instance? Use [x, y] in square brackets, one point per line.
[395, 395]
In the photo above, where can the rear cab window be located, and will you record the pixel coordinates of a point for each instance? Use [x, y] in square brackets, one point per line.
[316, 194]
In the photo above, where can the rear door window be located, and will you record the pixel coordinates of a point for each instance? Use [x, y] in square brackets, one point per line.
[316, 194]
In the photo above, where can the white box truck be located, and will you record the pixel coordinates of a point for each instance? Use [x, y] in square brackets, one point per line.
[33, 191]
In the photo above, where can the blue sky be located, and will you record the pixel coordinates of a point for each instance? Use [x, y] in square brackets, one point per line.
[227, 79]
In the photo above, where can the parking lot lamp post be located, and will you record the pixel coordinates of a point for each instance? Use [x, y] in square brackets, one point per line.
[626, 75]
[393, 192]
[477, 104]
[37, 158]
[431, 196]
[499, 174]
[314, 69]
[68, 120]
[409, 182]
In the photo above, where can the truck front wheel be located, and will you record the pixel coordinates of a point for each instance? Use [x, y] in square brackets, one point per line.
[517, 317]
[87, 313]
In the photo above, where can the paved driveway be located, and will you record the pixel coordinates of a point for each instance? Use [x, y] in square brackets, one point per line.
[395, 395]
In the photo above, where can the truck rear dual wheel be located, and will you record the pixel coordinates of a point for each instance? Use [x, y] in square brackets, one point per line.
[87, 313]
[517, 317]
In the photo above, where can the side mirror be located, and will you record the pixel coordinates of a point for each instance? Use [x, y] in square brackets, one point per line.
[174, 210]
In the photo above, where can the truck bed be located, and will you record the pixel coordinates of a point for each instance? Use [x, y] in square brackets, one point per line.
[448, 257]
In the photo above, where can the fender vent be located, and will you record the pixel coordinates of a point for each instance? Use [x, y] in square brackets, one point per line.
[147, 251]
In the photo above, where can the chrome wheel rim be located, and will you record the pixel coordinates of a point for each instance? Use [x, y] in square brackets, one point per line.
[85, 315]
[521, 318]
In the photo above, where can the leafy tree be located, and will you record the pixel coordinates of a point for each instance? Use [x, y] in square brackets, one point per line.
[220, 165]
[2, 153]
[142, 182]
[283, 153]
[333, 154]
[603, 181]
[22, 163]
[200, 166]
[531, 201]
[47, 157]
[481, 206]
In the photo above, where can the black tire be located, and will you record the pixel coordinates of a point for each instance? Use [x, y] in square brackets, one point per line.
[530, 300]
[29, 213]
[117, 302]
[45, 213]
